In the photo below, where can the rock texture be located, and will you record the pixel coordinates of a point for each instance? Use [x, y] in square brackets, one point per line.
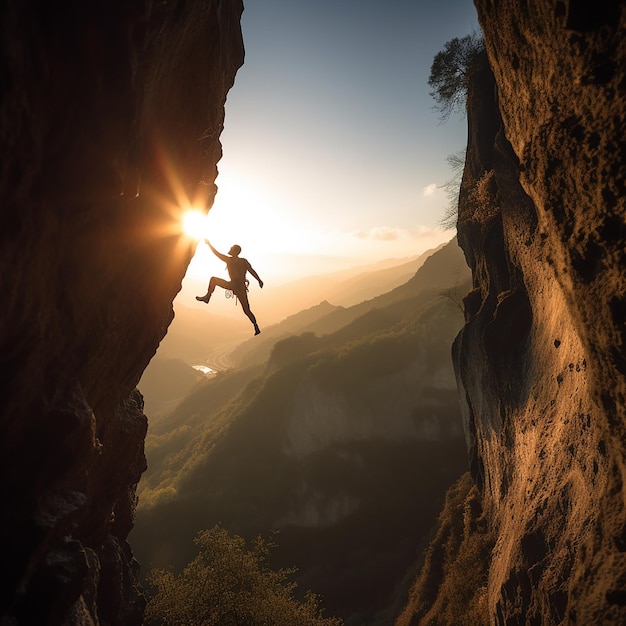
[541, 361]
[110, 120]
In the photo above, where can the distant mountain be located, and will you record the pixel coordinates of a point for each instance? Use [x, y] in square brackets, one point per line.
[344, 442]
[344, 287]
[348, 287]
[258, 349]
[372, 282]
[442, 272]
[198, 337]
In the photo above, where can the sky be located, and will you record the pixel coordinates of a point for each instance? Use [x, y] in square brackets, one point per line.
[333, 153]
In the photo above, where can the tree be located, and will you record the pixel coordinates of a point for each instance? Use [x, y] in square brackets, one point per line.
[451, 72]
[228, 585]
[452, 186]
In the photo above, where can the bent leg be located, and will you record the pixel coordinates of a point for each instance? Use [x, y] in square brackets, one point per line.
[214, 282]
[218, 282]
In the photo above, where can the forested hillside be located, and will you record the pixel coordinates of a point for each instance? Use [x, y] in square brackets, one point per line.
[345, 442]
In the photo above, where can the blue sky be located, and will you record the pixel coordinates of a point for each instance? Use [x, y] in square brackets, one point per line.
[333, 153]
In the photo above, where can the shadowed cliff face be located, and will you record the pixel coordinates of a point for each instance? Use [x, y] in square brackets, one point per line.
[111, 112]
[541, 361]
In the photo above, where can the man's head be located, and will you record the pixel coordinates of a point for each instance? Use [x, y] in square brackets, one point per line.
[235, 250]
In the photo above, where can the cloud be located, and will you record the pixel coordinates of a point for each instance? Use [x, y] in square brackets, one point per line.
[379, 233]
[429, 190]
[392, 233]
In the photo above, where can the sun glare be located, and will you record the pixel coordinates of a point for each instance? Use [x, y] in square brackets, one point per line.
[195, 224]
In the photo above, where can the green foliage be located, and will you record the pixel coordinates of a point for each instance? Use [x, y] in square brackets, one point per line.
[225, 454]
[187, 438]
[451, 588]
[451, 72]
[228, 585]
[354, 367]
[293, 349]
[351, 366]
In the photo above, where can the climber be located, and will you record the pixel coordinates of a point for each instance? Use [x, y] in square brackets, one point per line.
[238, 284]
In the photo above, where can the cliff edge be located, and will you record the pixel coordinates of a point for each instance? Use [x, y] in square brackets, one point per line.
[541, 360]
[110, 119]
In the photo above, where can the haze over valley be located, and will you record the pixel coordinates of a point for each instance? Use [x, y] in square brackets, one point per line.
[338, 427]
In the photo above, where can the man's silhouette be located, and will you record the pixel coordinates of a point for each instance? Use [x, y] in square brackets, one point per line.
[238, 284]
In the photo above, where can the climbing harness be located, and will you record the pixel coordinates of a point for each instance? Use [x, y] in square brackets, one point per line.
[229, 293]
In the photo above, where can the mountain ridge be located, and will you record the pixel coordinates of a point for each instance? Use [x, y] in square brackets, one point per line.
[448, 259]
[316, 442]
[198, 337]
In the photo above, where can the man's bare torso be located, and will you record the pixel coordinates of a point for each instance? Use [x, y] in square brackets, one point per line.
[237, 268]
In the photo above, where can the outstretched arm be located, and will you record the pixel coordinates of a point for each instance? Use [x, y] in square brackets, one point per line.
[251, 270]
[219, 255]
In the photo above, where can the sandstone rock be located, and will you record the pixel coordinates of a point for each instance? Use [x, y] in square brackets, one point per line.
[540, 361]
[111, 115]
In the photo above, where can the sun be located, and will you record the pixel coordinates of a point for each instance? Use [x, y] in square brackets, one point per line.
[195, 224]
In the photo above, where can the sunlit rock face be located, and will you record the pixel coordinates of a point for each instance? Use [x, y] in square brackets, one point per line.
[541, 361]
[111, 114]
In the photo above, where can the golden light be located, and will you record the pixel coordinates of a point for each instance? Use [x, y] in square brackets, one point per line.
[195, 224]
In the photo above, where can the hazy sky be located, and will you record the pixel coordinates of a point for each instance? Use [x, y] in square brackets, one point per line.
[331, 144]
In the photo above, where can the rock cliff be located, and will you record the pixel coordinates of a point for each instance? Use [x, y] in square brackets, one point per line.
[541, 360]
[110, 121]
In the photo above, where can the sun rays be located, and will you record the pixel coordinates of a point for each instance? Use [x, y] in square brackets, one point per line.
[195, 224]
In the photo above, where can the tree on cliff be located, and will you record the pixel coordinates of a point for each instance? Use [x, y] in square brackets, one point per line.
[451, 72]
[452, 187]
[226, 584]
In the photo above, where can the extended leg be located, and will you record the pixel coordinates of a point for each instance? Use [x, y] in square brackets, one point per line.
[245, 305]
